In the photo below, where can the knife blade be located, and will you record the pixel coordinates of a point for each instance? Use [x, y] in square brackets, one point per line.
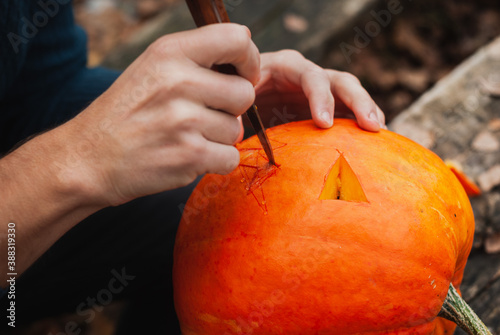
[213, 11]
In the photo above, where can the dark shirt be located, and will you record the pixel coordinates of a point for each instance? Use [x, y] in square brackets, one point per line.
[43, 76]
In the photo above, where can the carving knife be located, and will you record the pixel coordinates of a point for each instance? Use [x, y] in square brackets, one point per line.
[213, 11]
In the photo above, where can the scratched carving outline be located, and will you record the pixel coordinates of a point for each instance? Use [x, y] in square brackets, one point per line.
[255, 171]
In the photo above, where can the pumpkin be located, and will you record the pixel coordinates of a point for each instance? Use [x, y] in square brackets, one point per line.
[351, 232]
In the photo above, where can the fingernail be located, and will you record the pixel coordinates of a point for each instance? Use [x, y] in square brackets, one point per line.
[327, 117]
[373, 116]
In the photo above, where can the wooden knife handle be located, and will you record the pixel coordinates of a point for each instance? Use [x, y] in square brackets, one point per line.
[207, 11]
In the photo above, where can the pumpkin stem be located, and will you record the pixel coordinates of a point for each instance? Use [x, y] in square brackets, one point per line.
[456, 309]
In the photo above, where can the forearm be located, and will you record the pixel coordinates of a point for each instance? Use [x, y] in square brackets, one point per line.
[43, 195]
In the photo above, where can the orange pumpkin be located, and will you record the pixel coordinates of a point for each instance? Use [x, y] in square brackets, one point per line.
[353, 232]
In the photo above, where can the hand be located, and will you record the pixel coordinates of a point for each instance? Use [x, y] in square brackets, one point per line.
[169, 118]
[291, 85]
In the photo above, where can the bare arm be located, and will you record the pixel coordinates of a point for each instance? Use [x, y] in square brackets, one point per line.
[42, 195]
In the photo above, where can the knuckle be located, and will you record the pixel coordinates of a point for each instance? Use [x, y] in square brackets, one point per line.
[317, 71]
[167, 90]
[177, 85]
[290, 53]
[161, 47]
[188, 120]
[182, 116]
[238, 36]
[349, 77]
[183, 83]
[290, 56]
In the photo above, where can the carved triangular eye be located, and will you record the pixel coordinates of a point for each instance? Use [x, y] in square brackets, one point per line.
[341, 183]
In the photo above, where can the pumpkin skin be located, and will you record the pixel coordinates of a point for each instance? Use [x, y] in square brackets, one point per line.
[257, 252]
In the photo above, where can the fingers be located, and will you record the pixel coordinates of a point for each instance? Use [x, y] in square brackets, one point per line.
[219, 158]
[316, 86]
[200, 139]
[211, 104]
[291, 67]
[347, 88]
[228, 93]
[219, 127]
[223, 44]
[289, 72]
[196, 154]
[192, 118]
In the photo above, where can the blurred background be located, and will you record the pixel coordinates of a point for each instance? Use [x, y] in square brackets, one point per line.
[398, 49]
[396, 60]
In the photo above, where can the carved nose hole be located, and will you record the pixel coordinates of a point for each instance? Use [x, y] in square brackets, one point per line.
[341, 183]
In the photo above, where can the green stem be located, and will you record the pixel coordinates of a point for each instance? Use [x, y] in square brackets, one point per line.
[456, 309]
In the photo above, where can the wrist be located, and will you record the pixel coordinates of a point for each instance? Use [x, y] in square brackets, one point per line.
[74, 169]
[49, 165]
